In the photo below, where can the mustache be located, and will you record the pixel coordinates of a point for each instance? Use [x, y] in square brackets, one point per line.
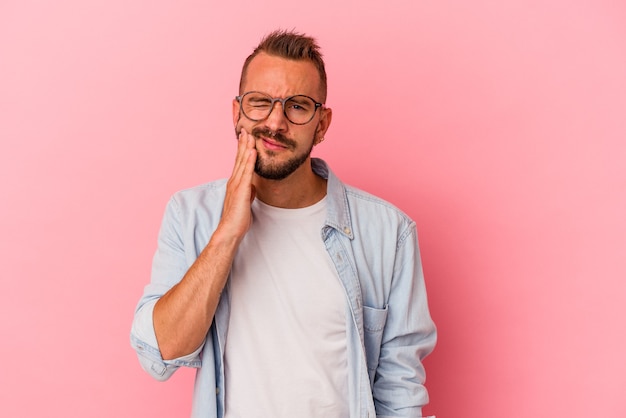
[259, 132]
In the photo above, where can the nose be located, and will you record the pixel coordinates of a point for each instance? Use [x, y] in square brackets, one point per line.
[276, 121]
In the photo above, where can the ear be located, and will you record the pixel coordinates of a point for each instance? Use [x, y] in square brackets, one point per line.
[236, 112]
[324, 124]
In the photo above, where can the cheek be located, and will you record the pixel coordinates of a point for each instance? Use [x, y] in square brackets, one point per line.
[306, 137]
[243, 123]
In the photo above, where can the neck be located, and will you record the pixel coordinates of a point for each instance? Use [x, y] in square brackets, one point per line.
[300, 189]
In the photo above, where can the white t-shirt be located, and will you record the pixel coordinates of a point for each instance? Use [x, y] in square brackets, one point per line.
[285, 353]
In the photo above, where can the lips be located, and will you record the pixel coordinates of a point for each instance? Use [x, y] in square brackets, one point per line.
[272, 144]
[273, 141]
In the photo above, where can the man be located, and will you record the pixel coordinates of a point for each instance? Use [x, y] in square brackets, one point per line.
[293, 294]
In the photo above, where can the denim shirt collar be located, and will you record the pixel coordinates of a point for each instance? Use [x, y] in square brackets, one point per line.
[337, 211]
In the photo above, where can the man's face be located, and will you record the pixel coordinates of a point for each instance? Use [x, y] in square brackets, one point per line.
[282, 147]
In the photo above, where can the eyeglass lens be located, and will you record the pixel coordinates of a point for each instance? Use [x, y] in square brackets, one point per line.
[258, 106]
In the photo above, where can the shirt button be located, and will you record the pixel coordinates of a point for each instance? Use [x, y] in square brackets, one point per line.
[346, 230]
[217, 391]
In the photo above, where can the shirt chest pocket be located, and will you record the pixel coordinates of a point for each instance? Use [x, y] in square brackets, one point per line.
[374, 321]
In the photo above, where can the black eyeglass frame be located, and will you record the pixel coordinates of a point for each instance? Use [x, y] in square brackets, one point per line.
[282, 103]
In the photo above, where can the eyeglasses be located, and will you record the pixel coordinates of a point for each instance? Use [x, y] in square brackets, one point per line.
[298, 109]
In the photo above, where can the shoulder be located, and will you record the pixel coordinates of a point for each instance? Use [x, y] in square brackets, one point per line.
[198, 205]
[360, 213]
[361, 200]
[361, 197]
[200, 195]
[376, 215]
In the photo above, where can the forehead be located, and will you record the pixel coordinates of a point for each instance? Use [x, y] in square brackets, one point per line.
[281, 77]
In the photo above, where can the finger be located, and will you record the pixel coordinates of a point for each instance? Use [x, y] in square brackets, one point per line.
[248, 156]
[248, 169]
[240, 182]
[240, 157]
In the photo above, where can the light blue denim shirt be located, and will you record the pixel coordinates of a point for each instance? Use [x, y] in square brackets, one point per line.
[374, 248]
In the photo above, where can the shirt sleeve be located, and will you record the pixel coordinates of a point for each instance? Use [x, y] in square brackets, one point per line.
[409, 336]
[143, 340]
[168, 267]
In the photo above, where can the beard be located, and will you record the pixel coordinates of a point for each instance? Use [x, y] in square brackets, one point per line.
[265, 165]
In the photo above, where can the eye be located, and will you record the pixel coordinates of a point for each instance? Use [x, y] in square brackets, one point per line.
[299, 104]
[259, 102]
[256, 101]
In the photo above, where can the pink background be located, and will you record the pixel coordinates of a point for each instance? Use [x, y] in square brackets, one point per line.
[500, 127]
